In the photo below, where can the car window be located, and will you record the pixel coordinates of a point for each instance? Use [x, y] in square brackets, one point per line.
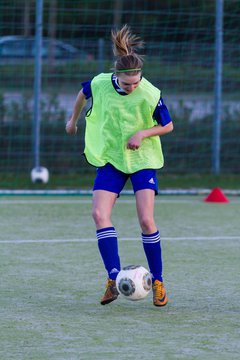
[58, 50]
[25, 49]
[62, 52]
[14, 48]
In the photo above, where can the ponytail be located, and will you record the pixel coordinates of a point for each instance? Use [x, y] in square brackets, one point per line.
[125, 47]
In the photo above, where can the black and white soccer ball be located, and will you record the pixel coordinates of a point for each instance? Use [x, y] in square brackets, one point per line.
[40, 174]
[134, 282]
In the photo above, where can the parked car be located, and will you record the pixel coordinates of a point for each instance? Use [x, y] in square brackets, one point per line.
[19, 48]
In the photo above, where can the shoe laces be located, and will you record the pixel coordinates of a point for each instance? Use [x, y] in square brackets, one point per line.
[158, 289]
[110, 283]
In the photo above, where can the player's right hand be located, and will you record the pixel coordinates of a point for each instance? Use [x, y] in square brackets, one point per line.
[71, 128]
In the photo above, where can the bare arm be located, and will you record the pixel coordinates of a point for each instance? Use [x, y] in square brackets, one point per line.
[135, 141]
[71, 126]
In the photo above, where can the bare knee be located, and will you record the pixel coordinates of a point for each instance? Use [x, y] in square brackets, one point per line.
[100, 218]
[97, 215]
[147, 225]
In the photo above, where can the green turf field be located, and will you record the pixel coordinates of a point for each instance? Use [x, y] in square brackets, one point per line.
[52, 279]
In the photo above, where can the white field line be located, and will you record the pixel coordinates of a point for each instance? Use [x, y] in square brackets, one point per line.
[193, 191]
[84, 240]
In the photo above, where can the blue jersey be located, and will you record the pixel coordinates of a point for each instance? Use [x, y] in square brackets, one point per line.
[161, 114]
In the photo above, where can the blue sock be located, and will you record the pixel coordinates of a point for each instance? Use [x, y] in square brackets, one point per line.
[152, 248]
[108, 247]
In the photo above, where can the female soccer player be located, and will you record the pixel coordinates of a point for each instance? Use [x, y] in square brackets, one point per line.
[122, 139]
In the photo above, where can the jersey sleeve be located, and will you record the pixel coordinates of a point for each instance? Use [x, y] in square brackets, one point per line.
[86, 87]
[161, 113]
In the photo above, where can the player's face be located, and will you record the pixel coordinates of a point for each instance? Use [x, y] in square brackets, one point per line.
[129, 82]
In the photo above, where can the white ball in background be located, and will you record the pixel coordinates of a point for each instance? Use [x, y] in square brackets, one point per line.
[40, 174]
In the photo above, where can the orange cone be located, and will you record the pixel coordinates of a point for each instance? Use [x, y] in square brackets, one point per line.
[217, 196]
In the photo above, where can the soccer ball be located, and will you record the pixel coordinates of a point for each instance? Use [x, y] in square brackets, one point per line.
[134, 282]
[40, 175]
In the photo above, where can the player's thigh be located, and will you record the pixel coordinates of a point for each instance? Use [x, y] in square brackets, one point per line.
[145, 201]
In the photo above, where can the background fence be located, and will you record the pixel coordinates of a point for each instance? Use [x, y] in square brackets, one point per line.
[180, 45]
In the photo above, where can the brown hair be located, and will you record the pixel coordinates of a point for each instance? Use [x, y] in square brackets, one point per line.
[125, 45]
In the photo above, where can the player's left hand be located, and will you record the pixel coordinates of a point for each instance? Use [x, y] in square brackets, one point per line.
[135, 141]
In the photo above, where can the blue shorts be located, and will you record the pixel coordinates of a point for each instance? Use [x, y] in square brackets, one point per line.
[110, 179]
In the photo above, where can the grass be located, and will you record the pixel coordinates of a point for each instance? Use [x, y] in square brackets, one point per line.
[84, 180]
[52, 278]
[63, 77]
